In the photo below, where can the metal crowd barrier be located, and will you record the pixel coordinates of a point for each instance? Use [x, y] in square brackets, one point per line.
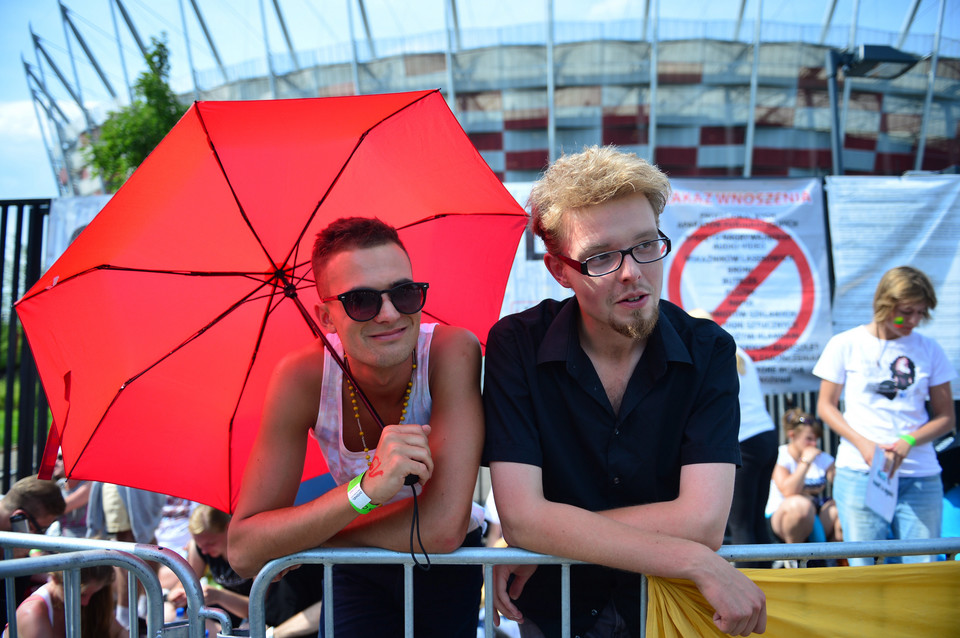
[488, 557]
[71, 554]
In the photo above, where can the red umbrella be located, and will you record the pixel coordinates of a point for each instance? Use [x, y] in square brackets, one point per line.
[156, 331]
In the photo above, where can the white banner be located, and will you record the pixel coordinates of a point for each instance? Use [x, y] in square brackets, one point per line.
[753, 254]
[530, 282]
[877, 223]
[69, 216]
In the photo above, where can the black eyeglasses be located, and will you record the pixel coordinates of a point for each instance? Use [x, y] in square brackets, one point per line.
[363, 304]
[645, 252]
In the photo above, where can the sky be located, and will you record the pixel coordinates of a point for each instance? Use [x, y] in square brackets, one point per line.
[313, 25]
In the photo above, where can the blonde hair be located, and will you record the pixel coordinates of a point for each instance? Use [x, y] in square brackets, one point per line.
[903, 284]
[206, 519]
[596, 175]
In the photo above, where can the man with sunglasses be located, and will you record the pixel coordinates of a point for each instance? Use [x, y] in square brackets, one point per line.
[424, 382]
[612, 417]
[31, 506]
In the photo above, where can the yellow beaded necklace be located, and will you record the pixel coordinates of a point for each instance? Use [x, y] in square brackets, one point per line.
[356, 406]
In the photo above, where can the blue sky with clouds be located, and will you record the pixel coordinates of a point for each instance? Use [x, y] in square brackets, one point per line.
[236, 28]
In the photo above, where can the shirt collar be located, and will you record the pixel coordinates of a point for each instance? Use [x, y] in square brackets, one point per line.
[562, 339]
[561, 335]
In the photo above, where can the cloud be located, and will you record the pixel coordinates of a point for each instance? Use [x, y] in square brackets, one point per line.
[24, 166]
[18, 122]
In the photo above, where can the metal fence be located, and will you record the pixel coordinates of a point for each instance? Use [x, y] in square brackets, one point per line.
[488, 557]
[25, 414]
[70, 555]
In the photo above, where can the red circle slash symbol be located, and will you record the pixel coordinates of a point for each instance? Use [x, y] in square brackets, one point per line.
[786, 247]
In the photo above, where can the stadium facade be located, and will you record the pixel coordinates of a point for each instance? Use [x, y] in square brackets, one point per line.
[714, 106]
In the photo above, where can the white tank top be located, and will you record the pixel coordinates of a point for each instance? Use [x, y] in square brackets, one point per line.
[43, 593]
[345, 464]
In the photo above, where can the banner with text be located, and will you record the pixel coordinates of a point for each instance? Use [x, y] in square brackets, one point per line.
[877, 223]
[753, 254]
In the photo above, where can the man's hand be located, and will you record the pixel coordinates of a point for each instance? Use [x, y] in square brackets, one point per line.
[402, 450]
[503, 597]
[740, 607]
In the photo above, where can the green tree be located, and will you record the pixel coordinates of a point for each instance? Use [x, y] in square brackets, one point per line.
[130, 134]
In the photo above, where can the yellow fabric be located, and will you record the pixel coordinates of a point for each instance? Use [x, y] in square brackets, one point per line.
[834, 602]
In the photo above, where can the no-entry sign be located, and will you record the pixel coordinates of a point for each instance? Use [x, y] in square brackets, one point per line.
[752, 250]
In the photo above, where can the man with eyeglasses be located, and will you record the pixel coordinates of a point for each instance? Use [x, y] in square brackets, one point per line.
[612, 417]
[30, 506]
[424, 382]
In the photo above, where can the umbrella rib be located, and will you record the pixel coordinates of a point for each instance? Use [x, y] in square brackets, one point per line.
[275, 303]
[442, 215]
[233, 192]
[255, 276]
[246, 298]
[294, 251]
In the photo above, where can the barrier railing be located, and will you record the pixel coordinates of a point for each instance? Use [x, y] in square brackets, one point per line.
[70, 564]
[196, 612]
[488, 557]
[73, 554]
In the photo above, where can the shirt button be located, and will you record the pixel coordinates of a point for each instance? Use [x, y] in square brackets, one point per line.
[616, 432]
[616, 480]
[594, 612]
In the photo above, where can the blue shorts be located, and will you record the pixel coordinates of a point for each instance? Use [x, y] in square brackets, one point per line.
[368, 599]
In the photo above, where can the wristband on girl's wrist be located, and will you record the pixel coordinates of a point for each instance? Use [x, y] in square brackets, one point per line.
[358, 498]
[909, 439]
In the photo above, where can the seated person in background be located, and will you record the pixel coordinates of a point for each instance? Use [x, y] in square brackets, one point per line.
[42, 613]
[798, 499]
[207, 551]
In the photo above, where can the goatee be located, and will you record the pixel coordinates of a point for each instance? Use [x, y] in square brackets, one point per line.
[640, 328]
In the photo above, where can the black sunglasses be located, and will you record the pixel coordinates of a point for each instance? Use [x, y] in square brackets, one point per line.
[363, 304]
[37, 529]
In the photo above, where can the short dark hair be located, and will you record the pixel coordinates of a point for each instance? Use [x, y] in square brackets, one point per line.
[351, 233]
[35, 496]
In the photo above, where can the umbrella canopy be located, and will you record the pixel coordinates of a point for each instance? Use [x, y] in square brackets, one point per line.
[156, 331]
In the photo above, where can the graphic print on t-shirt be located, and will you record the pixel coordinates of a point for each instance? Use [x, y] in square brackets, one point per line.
[903, 374]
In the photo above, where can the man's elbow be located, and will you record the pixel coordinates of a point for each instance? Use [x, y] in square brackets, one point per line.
[708, 533]
[519, 532]
[447, 536]
[241, 561]
[714, 541]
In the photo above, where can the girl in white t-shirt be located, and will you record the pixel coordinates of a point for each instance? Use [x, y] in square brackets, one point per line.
[887, 373]
[800, 479]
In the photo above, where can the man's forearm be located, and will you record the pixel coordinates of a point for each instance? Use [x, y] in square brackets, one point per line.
[672, 519]
[598, 538]
[388, 527]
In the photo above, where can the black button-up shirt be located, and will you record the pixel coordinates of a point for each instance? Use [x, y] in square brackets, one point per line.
[545, 406]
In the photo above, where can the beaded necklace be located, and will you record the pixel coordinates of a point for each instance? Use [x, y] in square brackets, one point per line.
[356, 406]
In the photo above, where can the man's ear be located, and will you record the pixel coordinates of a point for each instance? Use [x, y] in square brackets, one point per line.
[323, 318]
[558, 269]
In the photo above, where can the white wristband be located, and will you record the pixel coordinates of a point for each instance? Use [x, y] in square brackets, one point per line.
[357, 497]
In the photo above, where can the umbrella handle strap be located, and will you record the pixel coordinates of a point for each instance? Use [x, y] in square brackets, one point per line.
[415, 524]
[411, 479]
